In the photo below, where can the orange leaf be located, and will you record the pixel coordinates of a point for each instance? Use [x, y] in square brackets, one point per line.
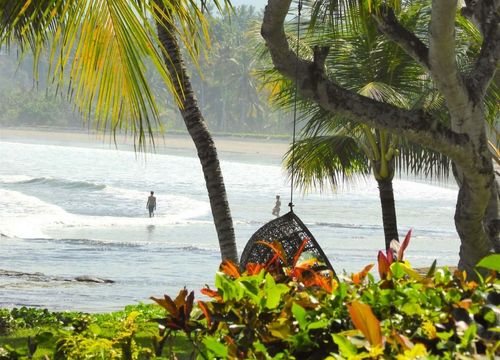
[229, 268]
[204, 309]
[323, 282]
[254, 269]
[211, 293]
[308, 264]
[181, 298]
[299, 251]
[465, 303]
[276, 247]
[360, 276]
[404, 245]
[364, 320]
[402, 340]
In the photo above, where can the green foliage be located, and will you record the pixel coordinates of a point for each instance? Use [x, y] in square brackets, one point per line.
[282, 312]
[229, 97]
[127, 334]
[491, 262]
[7, 323]
[269, 312]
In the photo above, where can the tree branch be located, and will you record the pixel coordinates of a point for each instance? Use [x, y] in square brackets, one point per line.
[482, 13]
[444, 69]
[486, 16]
[314, 84]
[408, 41]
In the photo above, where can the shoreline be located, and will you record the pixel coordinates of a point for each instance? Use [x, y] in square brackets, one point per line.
[224, 144]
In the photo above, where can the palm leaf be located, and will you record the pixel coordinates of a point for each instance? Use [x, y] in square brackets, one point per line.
[99, 51]
[317, 161]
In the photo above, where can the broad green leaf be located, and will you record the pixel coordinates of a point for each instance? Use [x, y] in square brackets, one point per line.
[320, 324]
[273, 292]
[469, 335]
[45, 336]
[231, 290]
[281, 328]
[411, 309]
[490, 316]
[95, 329]
[250, 289]
[274, 295]
[300, 314]
[347, 349]
[410, 272]
[491, 262]
[397, 270]
[269, 281]
[218, 349]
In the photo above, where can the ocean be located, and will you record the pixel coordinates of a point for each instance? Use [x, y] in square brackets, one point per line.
[80, 211]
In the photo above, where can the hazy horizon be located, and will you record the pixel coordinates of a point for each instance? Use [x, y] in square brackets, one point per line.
[257, 3]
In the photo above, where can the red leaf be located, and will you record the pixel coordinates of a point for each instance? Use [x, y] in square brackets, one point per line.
[364, 320]
[167, 304]
[383, 265]
[189, 305]
[404, 245]
[229, 268]
[204, 309]
[299, 251]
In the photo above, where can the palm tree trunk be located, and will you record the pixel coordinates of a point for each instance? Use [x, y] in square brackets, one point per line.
[388, 211]
[202, 139]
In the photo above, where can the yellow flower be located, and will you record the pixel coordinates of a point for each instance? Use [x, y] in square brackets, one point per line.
[429, 329]
[417, 352]
[376, 351]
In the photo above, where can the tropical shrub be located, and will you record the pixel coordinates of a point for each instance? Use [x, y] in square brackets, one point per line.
[276, 311]
[284, 311]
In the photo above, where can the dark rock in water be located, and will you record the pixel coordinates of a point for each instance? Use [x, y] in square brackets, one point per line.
[40, 277]
[93, 279]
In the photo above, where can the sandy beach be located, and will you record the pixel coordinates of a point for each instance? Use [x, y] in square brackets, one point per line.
[226, 144]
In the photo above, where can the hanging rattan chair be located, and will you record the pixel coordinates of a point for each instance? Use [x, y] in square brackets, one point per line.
[290, 232]
[288, 229]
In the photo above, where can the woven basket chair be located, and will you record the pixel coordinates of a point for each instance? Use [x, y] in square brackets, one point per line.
[290, 232]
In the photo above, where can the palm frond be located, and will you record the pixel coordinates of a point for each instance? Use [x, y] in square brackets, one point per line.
[99, 50]
[325, 160]
[418, 161]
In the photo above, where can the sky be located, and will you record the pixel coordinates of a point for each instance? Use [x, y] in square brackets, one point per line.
[257, 3]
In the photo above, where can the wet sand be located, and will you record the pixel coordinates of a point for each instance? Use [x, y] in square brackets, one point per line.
[249, 146]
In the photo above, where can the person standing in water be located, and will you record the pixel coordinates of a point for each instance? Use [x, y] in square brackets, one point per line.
[276, 208]
[151, 204]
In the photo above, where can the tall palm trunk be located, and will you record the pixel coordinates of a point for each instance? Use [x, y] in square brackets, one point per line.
[202, 139]
[388, 211]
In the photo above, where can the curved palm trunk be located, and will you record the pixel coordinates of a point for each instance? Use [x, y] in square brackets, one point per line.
[203, 141]
[388, 211]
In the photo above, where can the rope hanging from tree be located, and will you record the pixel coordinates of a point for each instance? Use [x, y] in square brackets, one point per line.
[288, 230]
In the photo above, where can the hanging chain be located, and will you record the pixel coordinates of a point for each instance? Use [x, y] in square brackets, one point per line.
[295, 107]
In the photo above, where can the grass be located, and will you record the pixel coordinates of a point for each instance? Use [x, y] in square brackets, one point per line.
[34, 332]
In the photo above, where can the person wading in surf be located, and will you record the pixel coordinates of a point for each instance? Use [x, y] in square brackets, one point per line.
[151, 204]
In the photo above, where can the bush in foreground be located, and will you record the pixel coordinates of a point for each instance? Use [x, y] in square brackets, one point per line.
[284, 311]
